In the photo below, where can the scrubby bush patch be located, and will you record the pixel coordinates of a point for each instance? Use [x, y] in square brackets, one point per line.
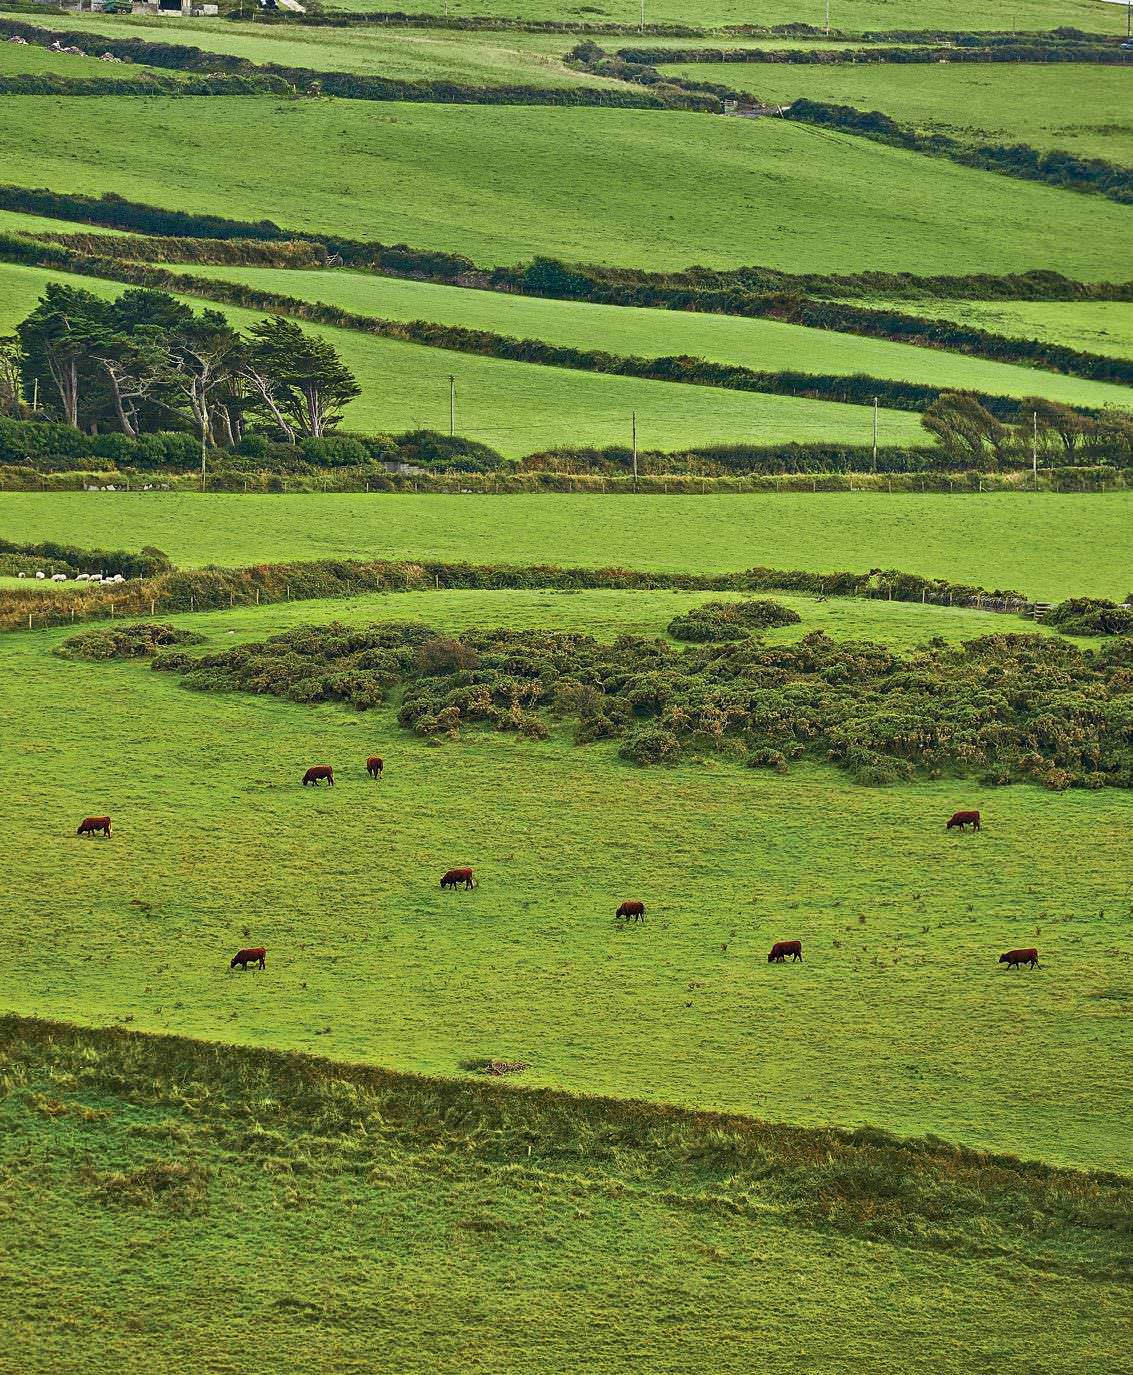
[126, 641]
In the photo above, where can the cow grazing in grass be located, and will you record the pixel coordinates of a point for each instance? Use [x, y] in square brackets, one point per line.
[633, 910]
[781, 949]
[962, 819]
[90, 824]
[374, 766]
[318, 771]
[1014, 958]
[455, 877]
[244, 958]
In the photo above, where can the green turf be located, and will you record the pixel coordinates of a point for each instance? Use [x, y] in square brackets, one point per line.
[500, 183]
[16, 222]
[15, 60]
[889, 1026]
[1096, 326]
[1048, 546]
[1084, 111]
[521, 408]
[760, 344]
[849, 15]
[478, 59]
[354, 1221]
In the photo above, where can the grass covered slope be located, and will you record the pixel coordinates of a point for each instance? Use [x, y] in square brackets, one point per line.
[758, 344]
[889, 1021]
[1096, 326]
[180, 1196]
[465, 58]
[521, 408]
[1085, 111]
[645, 188]
[1047, 546]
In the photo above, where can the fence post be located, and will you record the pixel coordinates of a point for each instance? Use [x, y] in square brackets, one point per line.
[152, 606]
[257, 596]
[192, 602]
[29, 620]
[113, 611]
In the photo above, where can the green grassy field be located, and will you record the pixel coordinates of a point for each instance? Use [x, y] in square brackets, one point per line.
[501, 183]
[521, 408]
[1097, 326]
[477, 59]
[16, 60]
[184, 1197]
[656, 333]
[889, 1026]
[849, 15]
[1000, 103]
[1048, 546]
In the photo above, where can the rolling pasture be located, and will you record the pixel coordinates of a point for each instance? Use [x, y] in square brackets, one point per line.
[888, 1022]
[655, 333]
[1047, 545]
[1039, 104]
[520, 408]
[501, 183]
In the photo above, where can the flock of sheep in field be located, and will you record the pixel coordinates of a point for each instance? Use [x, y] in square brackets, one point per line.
[114, 578]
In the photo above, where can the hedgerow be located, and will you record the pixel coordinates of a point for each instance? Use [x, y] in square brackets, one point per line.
[1091, 616]
[71, 559]
[1004, 707]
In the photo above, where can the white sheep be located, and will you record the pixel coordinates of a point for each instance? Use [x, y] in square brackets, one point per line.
[58, 577]
[41, 577]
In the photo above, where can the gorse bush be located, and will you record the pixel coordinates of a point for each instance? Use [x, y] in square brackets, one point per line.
[126, 641]
[1091, 616]
[716, 621]
[1024, 707]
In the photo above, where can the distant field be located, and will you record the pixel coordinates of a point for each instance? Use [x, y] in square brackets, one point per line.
[487, 59]
[16, 60]
[850, 15]
[501, 183]
[1097, 326]
[519, 408]
[16, 222]
[890, 1021]
[1041, 105]
[656, 333]
[1049, 546]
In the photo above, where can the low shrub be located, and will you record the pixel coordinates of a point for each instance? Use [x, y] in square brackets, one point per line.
[1091, 616]
[731, 620]
[126, 641]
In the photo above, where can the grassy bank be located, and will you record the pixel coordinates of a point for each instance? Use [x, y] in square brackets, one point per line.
[166, 1196]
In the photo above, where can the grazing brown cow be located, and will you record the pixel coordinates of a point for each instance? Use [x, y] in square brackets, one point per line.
[455, 877]
[781, 949]
[631, 910]
[319, 771]
[962, 819]
[1014, 958]
[374, 766]
[244, 958]
[90, 824]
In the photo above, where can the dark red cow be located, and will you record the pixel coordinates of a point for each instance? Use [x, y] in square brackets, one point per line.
[962, 819]
[455, 877]
[90, 824]
[781, 949]
[1014, 958]
[631, 910]
[244, 958]
[374, 766]
[318, 771]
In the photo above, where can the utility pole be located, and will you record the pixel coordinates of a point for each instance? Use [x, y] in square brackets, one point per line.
[826, 29]
[643, 14]
[1035, 447]
[633, 423]
[875, 434]
[451, 404]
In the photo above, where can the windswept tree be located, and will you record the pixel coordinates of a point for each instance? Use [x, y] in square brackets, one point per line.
[967, 431]
[299, 377]
[56, 341]
[206, 353]
[11, 383]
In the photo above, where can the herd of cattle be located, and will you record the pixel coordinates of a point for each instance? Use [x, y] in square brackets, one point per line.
[633, 909]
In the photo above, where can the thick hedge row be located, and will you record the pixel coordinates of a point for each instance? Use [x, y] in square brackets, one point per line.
[72, 559]
[1055, 167]
[852, 389]
[694, 288]
[349, 85]
[209, 589]
[1029, 49]
[1056, 715]
[45, 83]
